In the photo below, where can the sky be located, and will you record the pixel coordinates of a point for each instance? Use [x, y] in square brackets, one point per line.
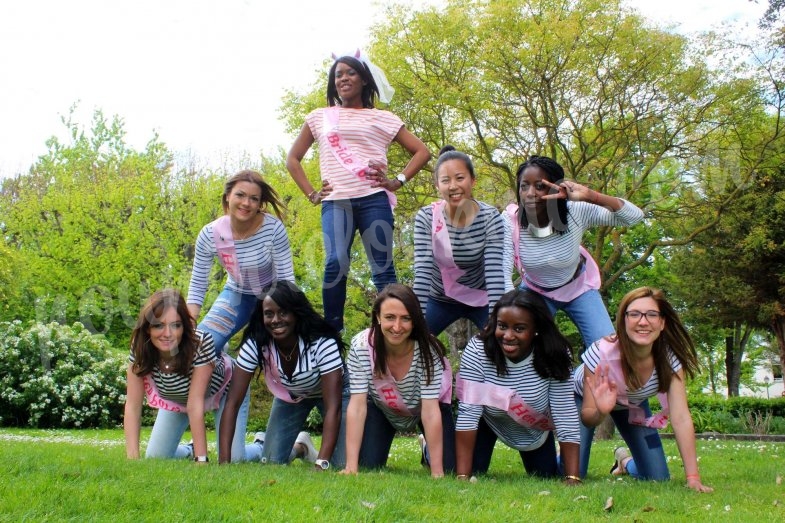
[207, 75]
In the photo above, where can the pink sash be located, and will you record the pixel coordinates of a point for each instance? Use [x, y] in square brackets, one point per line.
[224, 245]
[502, 398]
[155, 400]
[273, 378]
[388, 390]
[588, 279]
[611, 355]
[343, 152]
[442, 254]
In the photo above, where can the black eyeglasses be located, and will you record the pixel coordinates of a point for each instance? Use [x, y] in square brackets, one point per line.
[637, 315]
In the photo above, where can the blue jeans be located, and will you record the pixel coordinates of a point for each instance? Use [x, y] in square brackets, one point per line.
[378, 436]
[648, 457]
[587, 312]
[541, 462]
[441, 314]
[170, 426]
[372, 216]
[229, 313]
[288, 419]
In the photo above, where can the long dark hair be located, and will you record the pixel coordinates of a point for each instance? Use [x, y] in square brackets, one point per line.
[310, 325]
[145, 354]
[673, 336]
[370, 91]
[551, 351]
[420, 332]
[555, 174]
[268, 197]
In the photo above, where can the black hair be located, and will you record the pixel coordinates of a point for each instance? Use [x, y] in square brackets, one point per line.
[447, 153]
[551, 351]
[370, 91]
[310, 325]
[555, 174]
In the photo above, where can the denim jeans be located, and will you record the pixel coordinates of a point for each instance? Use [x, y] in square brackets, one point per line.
[587, 312]
[648, 457]
[378, 436]
[440, 314]
[288, 419]
[170, 426]
[372, 216]
[229, 313]
[541, 462]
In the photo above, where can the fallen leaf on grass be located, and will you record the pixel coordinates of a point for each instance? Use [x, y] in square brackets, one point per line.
[580, 498]
[776, 503]
[778, 481]
[268, 483]
[368, 504]
[545, 493]
[648, 509]
[727, 508]
[608, 504]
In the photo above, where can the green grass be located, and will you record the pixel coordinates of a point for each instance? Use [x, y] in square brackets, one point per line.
[84, 476]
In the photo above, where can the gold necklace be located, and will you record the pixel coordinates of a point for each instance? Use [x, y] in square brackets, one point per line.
[167, 365]
[291, 352]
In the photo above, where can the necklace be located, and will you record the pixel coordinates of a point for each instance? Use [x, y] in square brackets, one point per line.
[291, 352]
[167, 365]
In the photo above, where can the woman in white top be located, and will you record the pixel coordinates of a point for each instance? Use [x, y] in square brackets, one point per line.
[252, 246]
[398, 383]
[356, 193]
[651, 355]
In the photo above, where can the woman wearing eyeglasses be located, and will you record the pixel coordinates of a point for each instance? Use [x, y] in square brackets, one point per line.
[650, 355]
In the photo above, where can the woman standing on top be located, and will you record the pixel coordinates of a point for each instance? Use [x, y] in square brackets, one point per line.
[548, 226]
[356, 192]
[253, 247]
[458, 248]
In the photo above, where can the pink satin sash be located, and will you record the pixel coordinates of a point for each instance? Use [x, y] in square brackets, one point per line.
[224, 245]
[155, 400]
[508, 400]
[273, 378]
[442, 253]
[588, 279]
[343, 152]
[611, 355]
[388, 390]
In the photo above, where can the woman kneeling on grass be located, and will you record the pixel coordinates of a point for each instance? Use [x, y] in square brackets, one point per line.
[514, 385]
[176, 366]
[650, 355]
[300, 356]
[399, 381]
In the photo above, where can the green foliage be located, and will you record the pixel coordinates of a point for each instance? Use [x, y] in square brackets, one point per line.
[59, 376]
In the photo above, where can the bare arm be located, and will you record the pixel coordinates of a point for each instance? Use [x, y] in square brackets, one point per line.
[295, 167]
[331, 394]
[240, 380]
[465, 440]
[132, 419]
[200, 381]
[684, 431]
[355, 426]
[432, 423]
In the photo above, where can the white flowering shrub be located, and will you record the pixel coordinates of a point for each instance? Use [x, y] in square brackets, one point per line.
[59, 376]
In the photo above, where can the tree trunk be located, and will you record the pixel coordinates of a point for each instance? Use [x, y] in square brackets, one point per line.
[605, 429]
[731, 373]
[778, 326]
[735, 345]
[458, 336]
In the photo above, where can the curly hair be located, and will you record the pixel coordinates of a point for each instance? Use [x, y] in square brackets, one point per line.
[551, 351]
[145, 354]
[420, 332]
[370, 91]
[674, 337]
[310, 324]
[555, 174]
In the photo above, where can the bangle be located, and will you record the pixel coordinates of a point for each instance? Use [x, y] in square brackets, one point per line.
[576, 478]
[201, 459]
[313, 194]
[462, 476]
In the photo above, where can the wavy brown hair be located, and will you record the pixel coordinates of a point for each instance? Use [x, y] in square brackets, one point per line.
[145, 354]
[420, 332]
[269, 196]
[674, 337]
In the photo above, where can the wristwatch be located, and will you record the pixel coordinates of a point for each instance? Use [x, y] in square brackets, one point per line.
[401, 178]
[322, 464]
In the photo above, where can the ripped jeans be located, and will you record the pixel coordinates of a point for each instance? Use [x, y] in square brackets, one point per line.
[229, 313]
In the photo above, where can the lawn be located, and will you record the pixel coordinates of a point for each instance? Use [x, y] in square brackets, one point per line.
[84, 476]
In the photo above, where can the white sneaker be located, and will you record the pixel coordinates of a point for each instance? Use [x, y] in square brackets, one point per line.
[259, 438]
[311, 453]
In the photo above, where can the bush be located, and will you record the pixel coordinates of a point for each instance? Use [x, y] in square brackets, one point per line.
[61, 376]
